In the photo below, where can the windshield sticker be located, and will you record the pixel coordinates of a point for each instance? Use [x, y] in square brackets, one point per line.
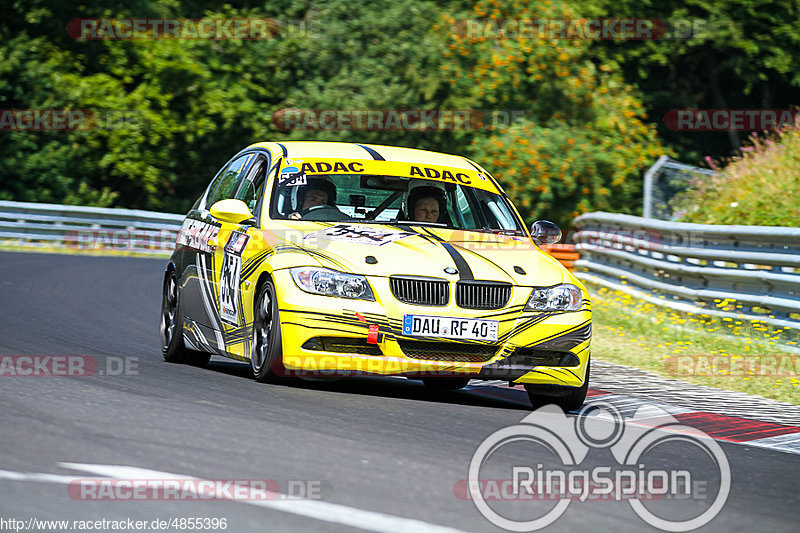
[292, 180]
[335, 166]
[361, 234]
[396, 169]
[443, 175]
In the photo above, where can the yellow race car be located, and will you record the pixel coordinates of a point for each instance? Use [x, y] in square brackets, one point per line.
[341, 259]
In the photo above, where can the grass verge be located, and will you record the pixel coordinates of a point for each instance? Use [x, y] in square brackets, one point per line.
[736, 355]
[4, 247]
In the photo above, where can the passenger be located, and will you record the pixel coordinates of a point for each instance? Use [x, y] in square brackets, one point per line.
[428, 204]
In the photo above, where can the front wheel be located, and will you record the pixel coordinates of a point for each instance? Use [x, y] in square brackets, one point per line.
[265, 360]
[571, 401]
[172, 345]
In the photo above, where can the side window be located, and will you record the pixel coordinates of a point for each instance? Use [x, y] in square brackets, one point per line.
[253, 185]
[464, 212]
[228, 180]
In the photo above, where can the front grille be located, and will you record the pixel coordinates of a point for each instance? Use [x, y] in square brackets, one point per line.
[482, 294]
[342, 345]
[448, 351]
[419, 290]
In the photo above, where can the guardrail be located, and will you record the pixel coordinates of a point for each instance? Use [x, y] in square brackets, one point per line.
[88, 228]
[726, 271]
[126, 230]
[750, 272]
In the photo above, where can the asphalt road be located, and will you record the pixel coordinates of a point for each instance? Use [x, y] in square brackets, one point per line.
[375, 454]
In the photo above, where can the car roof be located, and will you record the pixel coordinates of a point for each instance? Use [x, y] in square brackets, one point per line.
[344, 150]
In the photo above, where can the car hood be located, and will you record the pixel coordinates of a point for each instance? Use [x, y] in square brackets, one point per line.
[386, 250]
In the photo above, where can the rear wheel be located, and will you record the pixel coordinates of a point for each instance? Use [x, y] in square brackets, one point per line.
[172, 345]
[445, 383]
[265, 361]
[570, 400]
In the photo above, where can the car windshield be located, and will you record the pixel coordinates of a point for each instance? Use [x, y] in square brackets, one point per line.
[392, 200]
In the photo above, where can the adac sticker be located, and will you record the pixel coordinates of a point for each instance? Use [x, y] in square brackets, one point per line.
[444, 175]
[325, 167]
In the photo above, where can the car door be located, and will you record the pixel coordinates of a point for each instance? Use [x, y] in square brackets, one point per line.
[234, 260]
[198, 295]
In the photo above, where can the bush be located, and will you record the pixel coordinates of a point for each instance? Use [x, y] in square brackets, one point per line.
[760, 187]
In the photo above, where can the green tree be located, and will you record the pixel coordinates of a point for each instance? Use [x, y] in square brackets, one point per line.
[583, 143]
[735, 54]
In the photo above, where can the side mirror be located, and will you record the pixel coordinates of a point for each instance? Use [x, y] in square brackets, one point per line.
[545, 232]
[232, 211]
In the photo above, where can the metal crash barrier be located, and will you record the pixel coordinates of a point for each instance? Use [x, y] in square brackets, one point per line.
[750, 272]
[87, 228]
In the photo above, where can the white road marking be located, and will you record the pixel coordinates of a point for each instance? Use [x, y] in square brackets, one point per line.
[318, 510]
[8, 475]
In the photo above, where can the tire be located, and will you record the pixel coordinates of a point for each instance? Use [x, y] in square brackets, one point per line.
[571, 401]
[445, 383]
[265, 359]
[172, 345]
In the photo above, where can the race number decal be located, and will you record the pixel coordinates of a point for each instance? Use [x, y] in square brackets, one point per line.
[230, 278]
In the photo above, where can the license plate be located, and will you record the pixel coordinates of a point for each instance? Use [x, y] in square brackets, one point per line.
[450, 327]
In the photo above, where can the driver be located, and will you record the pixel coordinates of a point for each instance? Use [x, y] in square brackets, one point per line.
[427, 203]
[317, 192]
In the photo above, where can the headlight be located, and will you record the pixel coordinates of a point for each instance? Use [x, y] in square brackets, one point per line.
[332, 283]
[559, 298]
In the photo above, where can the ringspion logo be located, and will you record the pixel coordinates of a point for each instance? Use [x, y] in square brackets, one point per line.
[520, 496]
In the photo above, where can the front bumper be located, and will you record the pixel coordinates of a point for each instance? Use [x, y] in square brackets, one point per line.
[330, 336]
